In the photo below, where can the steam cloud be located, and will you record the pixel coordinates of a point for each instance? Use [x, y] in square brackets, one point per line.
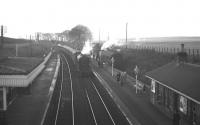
[110, 43]
[87, 48]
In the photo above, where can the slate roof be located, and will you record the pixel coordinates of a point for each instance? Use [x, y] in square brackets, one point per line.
[184, 79]
[18, 66]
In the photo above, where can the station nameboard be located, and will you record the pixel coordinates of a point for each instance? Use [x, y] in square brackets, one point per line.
[153, 86]
[183, 105]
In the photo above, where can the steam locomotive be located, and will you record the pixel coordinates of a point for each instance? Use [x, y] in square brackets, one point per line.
[83, 65]
[82, 61]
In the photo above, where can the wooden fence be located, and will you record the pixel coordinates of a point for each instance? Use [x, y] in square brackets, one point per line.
[190, 52]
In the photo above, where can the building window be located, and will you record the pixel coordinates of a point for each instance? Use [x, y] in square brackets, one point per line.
[160, 91]
[198, 113]
[167, 98]
[171, 100]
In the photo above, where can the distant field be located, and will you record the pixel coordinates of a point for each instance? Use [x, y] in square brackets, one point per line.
[191, 48]
[170, 42]
[8, 40]
[20, 56]
[24, 48]
[188, 45]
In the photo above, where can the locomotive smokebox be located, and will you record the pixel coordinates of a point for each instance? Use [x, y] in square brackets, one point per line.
[84, 65]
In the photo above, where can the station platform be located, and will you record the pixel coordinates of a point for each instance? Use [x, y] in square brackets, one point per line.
[136, 106]
[28, 109]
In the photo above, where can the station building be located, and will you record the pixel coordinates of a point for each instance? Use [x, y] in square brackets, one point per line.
[176, 87]
[16, 76]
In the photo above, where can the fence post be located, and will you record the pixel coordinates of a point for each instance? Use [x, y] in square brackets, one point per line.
[171, 51]
[193, 53]
[174, 51]
[189, 52]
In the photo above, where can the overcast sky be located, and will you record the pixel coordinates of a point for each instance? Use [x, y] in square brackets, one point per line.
[146, 18]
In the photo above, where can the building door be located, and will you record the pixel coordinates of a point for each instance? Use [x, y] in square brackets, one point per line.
[1, 98]
[194, 113]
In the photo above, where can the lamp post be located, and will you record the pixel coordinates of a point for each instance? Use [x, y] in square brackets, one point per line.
[113, 60]
[99, 36]
[2, 40]
[3, 31]
[126, 34]
[136, 70]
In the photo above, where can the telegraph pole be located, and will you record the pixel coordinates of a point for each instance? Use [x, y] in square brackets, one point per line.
[37, 37]
[136, 70]
[16, 50]
[112, 60]
[31, 44]
[2, 40]
[126, 34]
[99, 36]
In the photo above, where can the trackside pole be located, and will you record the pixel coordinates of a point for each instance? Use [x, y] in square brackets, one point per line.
[136, 70]
[112, 69]
[112, 64]
[136, 85]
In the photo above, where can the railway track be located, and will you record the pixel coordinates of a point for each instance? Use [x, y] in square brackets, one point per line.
[98, 105]
[81, 101]
[65, 97]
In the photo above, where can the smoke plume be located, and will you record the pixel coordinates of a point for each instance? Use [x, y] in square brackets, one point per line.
[87, 48]
[111, 43]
